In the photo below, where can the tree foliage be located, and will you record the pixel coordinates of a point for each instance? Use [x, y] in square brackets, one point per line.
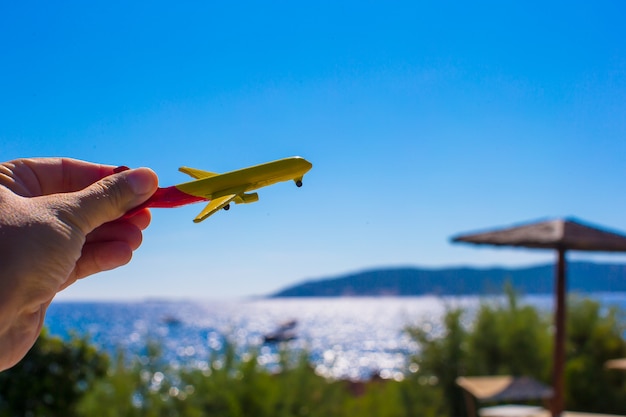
[51, 378]
[507, 338]
[232, 386]
[441, 359]
[61, 378]
[594, 336]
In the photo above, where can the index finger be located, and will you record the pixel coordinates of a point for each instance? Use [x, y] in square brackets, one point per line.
[42, 176]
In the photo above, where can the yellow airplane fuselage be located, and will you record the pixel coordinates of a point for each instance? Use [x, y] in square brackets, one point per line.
[247, 179]
[222, 189]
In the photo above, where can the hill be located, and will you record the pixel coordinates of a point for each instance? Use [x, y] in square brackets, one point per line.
[582, 277]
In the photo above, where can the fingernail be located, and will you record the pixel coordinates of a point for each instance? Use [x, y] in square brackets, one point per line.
[142, 180]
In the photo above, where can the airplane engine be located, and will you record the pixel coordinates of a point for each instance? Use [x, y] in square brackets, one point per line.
[249, 198]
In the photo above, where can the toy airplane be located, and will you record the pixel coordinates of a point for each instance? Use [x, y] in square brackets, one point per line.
[222, 189]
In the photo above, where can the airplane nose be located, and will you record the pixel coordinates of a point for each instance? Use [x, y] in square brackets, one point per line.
[305, 164]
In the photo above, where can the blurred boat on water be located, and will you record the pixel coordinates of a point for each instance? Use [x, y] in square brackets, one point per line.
[171, 320]
[284, 333]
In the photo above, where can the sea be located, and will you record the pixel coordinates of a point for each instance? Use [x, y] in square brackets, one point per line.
[345, 338]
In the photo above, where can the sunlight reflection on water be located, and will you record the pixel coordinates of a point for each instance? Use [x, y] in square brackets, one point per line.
[346, 337]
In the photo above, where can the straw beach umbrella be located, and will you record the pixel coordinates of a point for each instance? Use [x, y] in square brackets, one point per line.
[560, 235]
[502, 388]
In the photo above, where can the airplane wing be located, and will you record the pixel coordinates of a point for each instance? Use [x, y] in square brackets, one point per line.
[214, 206]
[196, 173]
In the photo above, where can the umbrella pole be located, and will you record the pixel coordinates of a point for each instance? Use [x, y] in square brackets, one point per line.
[558, 377]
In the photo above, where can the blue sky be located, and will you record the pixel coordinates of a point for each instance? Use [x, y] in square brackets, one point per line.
[422, 120]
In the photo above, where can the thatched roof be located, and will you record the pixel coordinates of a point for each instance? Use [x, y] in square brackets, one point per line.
[504, 388]
[616, 364]
[511, 410]
[556, 233]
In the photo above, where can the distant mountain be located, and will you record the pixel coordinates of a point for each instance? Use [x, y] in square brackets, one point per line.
[581, 277]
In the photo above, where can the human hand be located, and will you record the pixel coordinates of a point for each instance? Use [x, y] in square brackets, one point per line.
[60, 220]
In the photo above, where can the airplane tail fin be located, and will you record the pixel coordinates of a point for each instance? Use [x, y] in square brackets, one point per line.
[197, 173]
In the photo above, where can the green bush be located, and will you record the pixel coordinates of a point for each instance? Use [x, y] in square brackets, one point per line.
[509, 339]
[594, 337]
[51, 379]
[72, 379]
[442, 359]
[236, 387]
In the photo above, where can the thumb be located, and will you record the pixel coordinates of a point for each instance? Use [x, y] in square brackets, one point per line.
[111, 197]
